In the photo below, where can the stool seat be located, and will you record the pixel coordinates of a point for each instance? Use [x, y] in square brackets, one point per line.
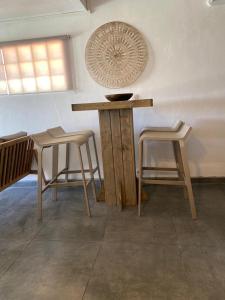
[162, 135]
[174, 128]
[44, 139]
[59, 132]
[177, 135]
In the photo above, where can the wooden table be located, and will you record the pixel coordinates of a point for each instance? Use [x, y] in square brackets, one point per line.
[117, 139]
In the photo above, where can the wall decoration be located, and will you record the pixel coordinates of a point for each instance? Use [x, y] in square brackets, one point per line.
[116, 54]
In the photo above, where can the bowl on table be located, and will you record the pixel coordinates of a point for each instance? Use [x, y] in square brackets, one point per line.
[119, 97]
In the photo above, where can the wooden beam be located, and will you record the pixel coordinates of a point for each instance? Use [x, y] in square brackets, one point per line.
[127, 134]
[117, 157]
[112, 105]
[107, 157]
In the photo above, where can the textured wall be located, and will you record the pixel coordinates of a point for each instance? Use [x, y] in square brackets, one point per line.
[185, 75]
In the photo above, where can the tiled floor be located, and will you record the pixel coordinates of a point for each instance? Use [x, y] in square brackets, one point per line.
[113, 255]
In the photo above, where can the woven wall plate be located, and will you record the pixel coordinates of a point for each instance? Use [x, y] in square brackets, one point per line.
[116, 54]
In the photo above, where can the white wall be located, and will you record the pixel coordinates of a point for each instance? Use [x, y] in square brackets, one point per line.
[185, 75]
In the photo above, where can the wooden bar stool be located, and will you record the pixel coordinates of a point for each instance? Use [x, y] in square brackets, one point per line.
[177, 136]
[44, 140]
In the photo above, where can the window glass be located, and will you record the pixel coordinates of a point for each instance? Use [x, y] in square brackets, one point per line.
[34, 66]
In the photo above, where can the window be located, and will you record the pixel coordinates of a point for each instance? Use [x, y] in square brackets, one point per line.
[34, 66]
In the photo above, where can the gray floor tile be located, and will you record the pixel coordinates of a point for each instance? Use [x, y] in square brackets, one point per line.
[50, 270]
[200, 276]
[10, 250]
[12, 198]
[127, 226]
[131, 271]
[198, 233]
[73, 227]
[113, 255]
[101, 288]
[167, 201]
[149, 228]
[216, 259]
[19, 224]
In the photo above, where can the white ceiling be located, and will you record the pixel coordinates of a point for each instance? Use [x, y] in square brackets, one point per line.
[13, 9]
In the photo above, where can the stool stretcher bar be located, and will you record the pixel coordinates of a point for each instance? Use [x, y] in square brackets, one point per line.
[53, 182]
[166, 182]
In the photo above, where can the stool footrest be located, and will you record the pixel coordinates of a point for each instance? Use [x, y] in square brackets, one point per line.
[160, 169]
[162, 182]
[78, 171]
[68, 183]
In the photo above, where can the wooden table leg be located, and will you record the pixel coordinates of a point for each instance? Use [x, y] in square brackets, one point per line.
[127, 134]
[117, 157]
[107, 157]
[116, 127]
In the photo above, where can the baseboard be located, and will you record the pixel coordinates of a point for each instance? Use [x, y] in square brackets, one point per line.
[210, 179]
[214, 180]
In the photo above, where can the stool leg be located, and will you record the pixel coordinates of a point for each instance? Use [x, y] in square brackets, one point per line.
[91, 171]
[55, 154]
[187, 179]
[67, 160]
[84, 183]
[39, 188]
[140, 165]
[36, 160]
[178, 160]
[180, 166]
[97, 161]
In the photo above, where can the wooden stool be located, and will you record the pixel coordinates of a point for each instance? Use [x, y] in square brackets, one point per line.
[177, 136]
[44, 140]
[59, 132]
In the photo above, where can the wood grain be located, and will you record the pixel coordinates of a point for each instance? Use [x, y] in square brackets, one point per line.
[117, 157]
[5, 167]
[107, 157]
[127, 133]
[55, 158]
[112, 105]
[15, 160]
[13, 163]
[2, 155]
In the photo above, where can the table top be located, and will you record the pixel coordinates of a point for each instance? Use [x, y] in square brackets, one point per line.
[112, 105]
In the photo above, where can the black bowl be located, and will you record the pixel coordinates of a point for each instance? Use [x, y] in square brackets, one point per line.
[119, 97]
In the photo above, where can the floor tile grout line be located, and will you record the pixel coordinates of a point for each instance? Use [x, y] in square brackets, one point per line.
[27, 244]
[17, 257]
[93, 265]
[11, 265]
[180, 251]
[175, 229]
[92, 269]
[106, 223]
